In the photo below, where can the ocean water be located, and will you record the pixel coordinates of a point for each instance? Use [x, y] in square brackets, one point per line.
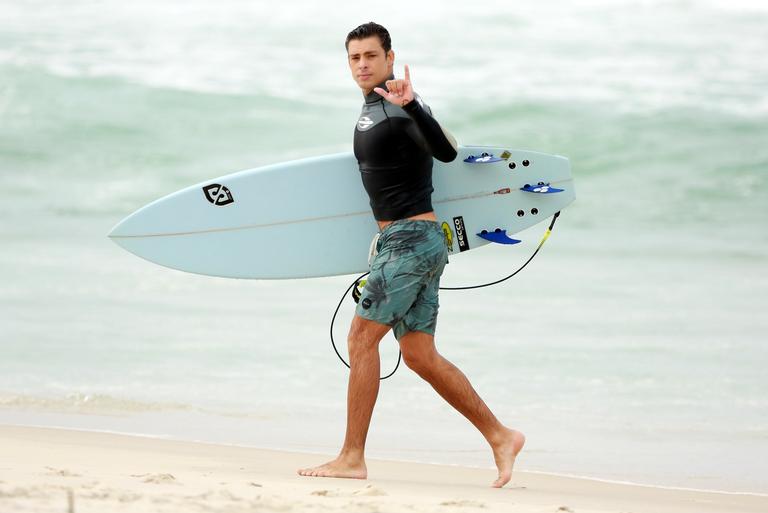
[633, 348]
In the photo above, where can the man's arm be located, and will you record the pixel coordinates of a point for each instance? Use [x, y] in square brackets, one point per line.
[440, 142]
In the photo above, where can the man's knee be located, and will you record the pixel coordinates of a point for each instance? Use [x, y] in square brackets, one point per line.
[365, 335]
[419, 352]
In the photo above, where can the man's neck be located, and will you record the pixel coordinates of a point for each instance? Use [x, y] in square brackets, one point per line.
[371, 96]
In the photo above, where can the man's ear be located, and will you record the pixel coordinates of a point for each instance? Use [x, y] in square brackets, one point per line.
[390, 58]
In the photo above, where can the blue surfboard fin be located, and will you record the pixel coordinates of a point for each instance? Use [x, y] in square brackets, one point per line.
[540, 188]
[483, 158]
[498, 236]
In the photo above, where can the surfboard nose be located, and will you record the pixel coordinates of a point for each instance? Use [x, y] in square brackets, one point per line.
[129, 226]
[126, 233]
[116, 230]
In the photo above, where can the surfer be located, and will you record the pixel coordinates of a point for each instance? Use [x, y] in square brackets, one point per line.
[395, 140]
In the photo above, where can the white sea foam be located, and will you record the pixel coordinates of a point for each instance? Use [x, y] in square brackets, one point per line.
[630, 55]
[641, 319]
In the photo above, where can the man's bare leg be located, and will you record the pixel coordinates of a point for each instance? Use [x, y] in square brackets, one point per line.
[420, 355]
[363, 388]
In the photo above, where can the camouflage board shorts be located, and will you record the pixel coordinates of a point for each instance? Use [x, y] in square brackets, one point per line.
[402, 289]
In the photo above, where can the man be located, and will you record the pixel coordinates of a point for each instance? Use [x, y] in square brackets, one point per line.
[395, 140]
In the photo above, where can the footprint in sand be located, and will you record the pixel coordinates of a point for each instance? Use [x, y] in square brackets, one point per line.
[157, 478]
[368, 491]
[128, 497]
[62, 472]
[462, 503]
[24, 493]
[101, 494]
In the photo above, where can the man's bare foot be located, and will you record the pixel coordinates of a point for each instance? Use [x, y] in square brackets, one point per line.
[505, 453]
[337, 468]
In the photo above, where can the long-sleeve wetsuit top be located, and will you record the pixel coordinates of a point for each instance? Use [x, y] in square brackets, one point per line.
[394, 147]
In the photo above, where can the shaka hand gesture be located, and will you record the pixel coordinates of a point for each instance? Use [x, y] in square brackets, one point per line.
[399, 91]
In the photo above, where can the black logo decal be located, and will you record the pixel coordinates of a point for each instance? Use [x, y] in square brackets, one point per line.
[218, 194]
[366, 303]
[461, 233]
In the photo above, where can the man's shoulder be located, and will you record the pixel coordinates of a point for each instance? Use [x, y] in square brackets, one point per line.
[373, 114]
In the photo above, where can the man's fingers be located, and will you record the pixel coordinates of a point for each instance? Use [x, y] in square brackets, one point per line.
[396, 87]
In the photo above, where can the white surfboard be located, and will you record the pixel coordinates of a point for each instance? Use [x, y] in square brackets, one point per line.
[311, 217]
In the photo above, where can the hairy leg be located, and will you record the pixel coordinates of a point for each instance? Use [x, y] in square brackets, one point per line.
[362, 390]
[420, 355]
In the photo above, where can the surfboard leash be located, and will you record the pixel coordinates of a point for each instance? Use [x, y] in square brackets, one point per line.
[333, 319]
[541, 243]
[356, 293]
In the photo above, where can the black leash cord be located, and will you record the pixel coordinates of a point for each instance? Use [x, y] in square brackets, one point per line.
[469, 287]
[543, 239]
[333, 319]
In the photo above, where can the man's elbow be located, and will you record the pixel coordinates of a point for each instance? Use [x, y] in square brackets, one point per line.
[450, 150]
[447, 155]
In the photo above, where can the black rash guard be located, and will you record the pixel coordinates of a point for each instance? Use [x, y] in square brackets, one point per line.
[394, 147]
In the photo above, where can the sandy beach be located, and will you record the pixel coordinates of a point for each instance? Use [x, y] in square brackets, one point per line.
[59, 470]
[630, 350]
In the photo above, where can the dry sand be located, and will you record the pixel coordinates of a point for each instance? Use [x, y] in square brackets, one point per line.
[57, 470]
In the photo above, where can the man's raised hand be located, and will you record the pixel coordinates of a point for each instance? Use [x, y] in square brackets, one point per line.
[399, 92]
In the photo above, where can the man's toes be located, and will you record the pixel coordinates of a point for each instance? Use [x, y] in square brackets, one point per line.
[502, 480]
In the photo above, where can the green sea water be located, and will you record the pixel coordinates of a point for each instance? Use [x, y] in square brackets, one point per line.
[632, 348]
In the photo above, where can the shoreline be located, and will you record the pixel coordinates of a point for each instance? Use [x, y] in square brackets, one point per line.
[136, 473]
[382, 459]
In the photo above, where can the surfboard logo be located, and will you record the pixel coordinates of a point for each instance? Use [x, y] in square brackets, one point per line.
[218, 194]
[364, 123]
[461, 233]
[448, 236]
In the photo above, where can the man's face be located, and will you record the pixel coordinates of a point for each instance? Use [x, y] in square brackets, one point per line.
[368, 63]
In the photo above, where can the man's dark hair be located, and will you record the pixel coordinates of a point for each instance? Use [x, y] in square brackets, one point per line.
[370, 29]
